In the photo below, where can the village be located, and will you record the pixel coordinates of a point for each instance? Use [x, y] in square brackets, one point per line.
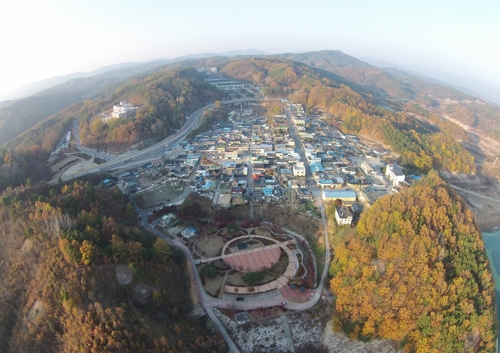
[256, 158]
[291, 159]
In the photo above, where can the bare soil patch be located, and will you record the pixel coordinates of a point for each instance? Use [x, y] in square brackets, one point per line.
[266, 313]
[141, 293]
[238, 201]
[156, 196]
[63, 163]
[27, 245]
[124, 274]
[79, 167]
[36, 311]
[212, 285]
[482, 195]
[143, 182]
[210, 246]
[263, 232]
[234, 279]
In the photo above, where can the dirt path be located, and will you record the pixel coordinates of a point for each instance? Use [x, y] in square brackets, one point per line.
[482, 196]
[288, 335]
[475, 193]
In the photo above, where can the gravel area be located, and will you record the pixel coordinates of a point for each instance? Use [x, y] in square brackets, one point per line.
[307, 327]
[268, 336]
[338, 342]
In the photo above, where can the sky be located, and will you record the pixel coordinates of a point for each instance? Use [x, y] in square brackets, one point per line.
[42, 39]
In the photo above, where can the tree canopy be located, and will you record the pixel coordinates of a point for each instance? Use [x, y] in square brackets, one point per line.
[415, 270]
[79, 235]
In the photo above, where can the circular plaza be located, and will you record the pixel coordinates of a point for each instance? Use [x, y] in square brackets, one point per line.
[226, 262]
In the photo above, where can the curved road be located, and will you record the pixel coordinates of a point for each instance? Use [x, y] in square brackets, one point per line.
[90, 151]
[209, 302]
[205, 299]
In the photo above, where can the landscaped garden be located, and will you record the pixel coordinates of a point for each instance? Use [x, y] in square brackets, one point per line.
[238, 260]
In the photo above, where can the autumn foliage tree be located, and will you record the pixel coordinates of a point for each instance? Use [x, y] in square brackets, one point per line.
[75, 234]
[416, 271]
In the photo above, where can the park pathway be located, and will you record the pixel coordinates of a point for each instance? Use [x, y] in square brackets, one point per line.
[288, 334]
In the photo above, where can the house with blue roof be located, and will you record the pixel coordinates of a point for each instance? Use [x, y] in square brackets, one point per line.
[316, 167]
[347, 196]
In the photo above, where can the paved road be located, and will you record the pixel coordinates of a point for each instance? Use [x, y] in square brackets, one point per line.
[90, 151]
[300, 147]
[155, 151]
[250, 189]
[319, 202]
[205, 300]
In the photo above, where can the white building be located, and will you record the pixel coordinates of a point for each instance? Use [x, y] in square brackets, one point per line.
[207, 70]
[343, 216]
[166, 219]
[299, 121]
[226, 85]
[368, 169]
[188, 233]
[123, 110]
[394, 173]
[299, 170]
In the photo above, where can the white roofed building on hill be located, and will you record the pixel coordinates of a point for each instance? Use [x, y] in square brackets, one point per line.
[394, 173]
[123, 110]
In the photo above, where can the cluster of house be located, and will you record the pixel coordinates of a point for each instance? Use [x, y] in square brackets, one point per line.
[329, 151]
[175, 227]
[269, 153]
[255, 158]
[340, 163]
[158, 172]
[272, 167]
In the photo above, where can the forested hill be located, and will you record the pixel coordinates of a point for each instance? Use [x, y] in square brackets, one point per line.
[379, 82]
[326, 59]
[164, 98]
[420, 148]
[391, 83]
[24, 113]
[338, 67]
[459, 106]
[20, 115]
[62, 248]
[415, 270]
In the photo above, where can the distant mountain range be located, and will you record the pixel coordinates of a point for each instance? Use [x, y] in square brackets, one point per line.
[387, 82]
[129, 67]
[467, 85]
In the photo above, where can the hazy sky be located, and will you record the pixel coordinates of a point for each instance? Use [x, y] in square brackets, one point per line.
[42, 39]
